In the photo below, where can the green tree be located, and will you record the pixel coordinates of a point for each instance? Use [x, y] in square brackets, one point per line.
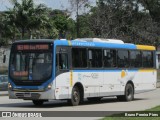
[84, 28]
[77, 5]
[8, 29]
[153, 6]
[124, 20]
[28, 16]
[64, 24]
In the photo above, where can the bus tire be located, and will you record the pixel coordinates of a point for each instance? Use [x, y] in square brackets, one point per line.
[75, 97]
[38, 102]
[94, 99]
[129, 93]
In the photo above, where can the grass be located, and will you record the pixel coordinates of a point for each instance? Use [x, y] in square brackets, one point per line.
[117, 116]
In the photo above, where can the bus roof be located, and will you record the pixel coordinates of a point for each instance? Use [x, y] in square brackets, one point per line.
[34, 40]
[91, 44]
[104, 45]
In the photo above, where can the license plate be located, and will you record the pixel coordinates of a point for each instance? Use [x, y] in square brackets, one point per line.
[27, 94]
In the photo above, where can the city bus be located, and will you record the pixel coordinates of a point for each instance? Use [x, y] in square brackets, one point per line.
[74, 70]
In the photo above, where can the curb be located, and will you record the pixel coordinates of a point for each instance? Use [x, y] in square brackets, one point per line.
[3, 93]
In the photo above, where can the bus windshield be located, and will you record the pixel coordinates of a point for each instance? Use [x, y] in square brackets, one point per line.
[31, 64]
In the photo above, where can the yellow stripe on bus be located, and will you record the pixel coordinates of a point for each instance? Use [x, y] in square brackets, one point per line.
[71, 78]
[147, 70]
[145, 47]
[69, 43]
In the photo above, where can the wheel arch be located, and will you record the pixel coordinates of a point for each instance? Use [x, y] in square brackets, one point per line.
[130, 82]
[81, 90]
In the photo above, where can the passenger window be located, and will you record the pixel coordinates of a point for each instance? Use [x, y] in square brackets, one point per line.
[135, 59]
[147, 59]
[109, 58]
[95, 58]
[122, 59]
[79, 57]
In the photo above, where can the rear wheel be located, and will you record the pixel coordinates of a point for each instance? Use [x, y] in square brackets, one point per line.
[129, 93]
[38, 102]
[75, 97]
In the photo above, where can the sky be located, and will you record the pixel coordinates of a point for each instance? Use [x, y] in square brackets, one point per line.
[54, 4]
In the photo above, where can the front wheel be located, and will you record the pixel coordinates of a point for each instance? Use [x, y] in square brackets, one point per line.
[75, 97]
[38, 102]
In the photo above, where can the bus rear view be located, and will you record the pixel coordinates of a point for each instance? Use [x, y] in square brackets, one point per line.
[30, 71]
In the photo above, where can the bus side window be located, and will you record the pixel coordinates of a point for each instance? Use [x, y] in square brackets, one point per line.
[135, 59]
[79, 58]
[147, 58]
[95, 58]
[122, 58]
[62, 63]
[109, 58]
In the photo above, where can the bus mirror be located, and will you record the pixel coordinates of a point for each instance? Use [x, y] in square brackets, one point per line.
[90, 54]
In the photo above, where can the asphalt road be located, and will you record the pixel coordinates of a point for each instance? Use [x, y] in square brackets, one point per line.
[142, 101]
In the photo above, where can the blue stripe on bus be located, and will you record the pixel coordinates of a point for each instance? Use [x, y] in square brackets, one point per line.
[61, 42]
[95, 44]
[134, 70]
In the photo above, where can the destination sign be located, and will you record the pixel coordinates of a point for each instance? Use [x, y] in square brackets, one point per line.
[33, 47]
[21, 73]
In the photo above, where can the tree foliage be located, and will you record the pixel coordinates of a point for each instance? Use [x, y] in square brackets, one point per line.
[123, 19]
[135, 21]
[27, 20]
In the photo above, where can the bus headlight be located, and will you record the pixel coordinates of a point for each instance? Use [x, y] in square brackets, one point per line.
[9, 86]
[49, 86]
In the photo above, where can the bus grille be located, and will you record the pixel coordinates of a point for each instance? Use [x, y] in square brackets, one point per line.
[24, 96]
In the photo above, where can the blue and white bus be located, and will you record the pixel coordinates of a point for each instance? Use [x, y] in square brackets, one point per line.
[42, 70]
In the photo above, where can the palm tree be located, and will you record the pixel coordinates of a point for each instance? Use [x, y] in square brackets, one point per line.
[7, 25]
[28, 16]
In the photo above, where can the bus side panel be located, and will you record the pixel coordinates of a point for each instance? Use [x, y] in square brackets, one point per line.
[90, 80]
[62, 86]
[111, 84]
[145, 80]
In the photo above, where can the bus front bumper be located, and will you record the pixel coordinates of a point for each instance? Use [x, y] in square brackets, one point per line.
[29, 95]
